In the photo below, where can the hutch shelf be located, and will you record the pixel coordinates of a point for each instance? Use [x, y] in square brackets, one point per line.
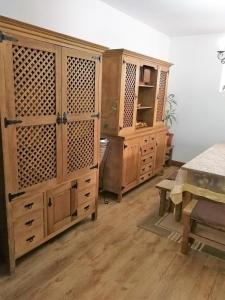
[134, 90]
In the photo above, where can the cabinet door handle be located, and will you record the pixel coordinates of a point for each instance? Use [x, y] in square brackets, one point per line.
[30, 239]
[29, 223]
[87, 194]
[49, 202]
[29, 205]
[88, 180]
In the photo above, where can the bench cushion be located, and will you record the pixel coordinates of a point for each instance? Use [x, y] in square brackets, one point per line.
[209, 213]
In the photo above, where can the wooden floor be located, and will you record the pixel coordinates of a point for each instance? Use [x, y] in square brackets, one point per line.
[113, 259]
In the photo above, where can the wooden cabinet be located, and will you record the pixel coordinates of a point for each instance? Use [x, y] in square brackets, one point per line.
[138, 158]
[131, 162]
[134, 91]
[59, 208]
[50, 100]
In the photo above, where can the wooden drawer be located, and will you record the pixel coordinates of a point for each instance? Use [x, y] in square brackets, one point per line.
[146, 149]
[145, 140]
[147, 159]
[27, 241]
[145, 177]
[148, 139]
[86, 195]
[146, 168]
[26, 205]
[28, 222]
[86, 209]
[86, 180]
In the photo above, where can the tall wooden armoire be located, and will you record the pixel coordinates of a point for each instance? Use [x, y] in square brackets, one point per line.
[50, 87]
[134, 91]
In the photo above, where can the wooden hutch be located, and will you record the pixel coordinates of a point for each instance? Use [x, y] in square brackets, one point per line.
[50, 92]
[134, 90]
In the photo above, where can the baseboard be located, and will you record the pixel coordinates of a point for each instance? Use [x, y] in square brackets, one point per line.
[177, 163]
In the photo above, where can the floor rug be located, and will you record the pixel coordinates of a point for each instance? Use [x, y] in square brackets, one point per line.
[166, 226]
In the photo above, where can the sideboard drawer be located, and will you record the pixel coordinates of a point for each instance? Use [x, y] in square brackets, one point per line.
[146, 149]
[147, 159]
[27, 241]
[146, 168]
[145, 177]
[86, 180]
[28, 222]
[86, 209]
[27, 205]
[86, 195]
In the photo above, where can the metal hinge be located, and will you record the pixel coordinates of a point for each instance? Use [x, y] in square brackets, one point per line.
[94, 167]
[13, 196]
[5, 37]
[96, 115]
[96, 58]
[75, 185]
[8, 122]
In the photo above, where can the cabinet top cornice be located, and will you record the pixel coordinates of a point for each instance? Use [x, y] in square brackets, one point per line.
[137, 55]
[25, 29]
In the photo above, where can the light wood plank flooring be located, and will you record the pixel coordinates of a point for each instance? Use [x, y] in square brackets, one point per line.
[113, 259]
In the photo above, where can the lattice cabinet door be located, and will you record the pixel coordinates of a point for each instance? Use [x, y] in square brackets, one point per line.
[80, 106]
[31, 135]
[162, 83]
[129, 95]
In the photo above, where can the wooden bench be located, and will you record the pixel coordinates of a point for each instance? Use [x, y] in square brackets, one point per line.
[207, 213]
[164, 187]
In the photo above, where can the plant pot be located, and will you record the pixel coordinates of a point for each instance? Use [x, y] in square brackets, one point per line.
[169, 139]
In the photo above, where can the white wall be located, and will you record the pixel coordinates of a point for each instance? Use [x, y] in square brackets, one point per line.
[195, 80]
[91, 20]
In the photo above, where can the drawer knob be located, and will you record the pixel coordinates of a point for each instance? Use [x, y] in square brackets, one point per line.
[29, 223]
[87, 194]
[88, 180]
[31, 239]
[87, 207]
[29, 205]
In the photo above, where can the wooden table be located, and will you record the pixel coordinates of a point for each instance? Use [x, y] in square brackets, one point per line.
[203, 176]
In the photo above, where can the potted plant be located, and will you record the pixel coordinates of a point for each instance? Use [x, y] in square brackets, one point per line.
[170, 116]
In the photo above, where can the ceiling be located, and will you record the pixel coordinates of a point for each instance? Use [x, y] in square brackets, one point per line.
[176, 17]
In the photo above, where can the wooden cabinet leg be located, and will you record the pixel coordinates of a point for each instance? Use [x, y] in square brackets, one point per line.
[162, 205]
[186, 231]
[119, 197]
[94, 216]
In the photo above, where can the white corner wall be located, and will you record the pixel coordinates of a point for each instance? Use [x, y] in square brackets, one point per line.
[195, 80]
[91, 20]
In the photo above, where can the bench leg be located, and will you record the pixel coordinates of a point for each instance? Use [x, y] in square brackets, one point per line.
[178, 212]
[186, 232]
[162, 205]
